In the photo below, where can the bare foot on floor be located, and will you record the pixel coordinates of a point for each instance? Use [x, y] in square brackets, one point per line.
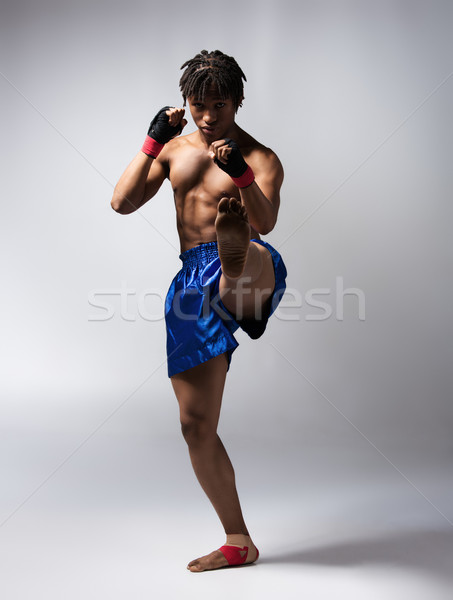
[233, 236]
[217, 560]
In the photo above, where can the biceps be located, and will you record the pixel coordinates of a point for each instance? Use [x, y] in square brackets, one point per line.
[156, 177]
[270, 181]
[270, 188]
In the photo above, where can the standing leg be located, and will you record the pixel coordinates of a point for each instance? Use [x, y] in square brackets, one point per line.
[199, 392]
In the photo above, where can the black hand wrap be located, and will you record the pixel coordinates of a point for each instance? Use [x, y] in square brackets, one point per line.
[236, 165]
[160, 129]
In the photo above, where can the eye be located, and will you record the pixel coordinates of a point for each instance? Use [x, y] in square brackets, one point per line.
[220, 104]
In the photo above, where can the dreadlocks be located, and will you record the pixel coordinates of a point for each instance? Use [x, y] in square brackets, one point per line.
[212, 69]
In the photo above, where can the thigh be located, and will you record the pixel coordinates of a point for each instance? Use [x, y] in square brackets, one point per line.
[199, 390]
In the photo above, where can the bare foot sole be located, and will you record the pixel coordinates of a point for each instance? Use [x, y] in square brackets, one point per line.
[233, 236]
[228, 556]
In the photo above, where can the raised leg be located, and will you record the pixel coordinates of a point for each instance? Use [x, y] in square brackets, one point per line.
[248, 278]
[199, 392]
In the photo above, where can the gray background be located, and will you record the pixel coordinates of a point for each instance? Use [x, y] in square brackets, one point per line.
[339, 429]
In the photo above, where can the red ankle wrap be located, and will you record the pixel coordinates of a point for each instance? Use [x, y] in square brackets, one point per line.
[234, 554]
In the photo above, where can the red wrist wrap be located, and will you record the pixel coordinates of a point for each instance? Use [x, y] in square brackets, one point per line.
[151, 147]
[245, 179]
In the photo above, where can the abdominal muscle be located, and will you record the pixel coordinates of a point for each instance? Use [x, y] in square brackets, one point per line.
[195, 217]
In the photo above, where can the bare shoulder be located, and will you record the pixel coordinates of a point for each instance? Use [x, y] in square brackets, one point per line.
[254, 150]
[261, 158]
[267, 159]
[178, 144]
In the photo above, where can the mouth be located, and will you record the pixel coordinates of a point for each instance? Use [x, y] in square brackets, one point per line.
[208, 130]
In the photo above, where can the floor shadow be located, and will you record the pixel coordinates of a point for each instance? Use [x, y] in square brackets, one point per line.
[421, 550]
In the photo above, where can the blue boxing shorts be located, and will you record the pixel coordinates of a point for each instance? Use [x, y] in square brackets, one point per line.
[199, 327]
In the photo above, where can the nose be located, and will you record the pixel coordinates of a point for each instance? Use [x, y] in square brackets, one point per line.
[209, 116]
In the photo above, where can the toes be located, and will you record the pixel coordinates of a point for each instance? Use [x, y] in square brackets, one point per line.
[238, 208]
[231, 205]
[235, 205]
[215, 560]
[194, 565]
[223, 205]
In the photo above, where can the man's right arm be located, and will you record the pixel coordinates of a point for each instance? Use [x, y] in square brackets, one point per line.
[145, 174]
[139, 183]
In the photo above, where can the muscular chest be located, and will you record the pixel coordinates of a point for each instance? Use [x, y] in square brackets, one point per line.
[196, 172]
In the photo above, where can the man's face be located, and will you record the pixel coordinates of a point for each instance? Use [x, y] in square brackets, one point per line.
[213, 116]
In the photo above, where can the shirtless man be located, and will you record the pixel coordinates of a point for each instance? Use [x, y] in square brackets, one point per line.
[226, 189]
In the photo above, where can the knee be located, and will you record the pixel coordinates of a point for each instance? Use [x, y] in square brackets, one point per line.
[196, 430]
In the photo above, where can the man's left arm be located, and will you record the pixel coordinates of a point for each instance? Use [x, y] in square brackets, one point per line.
[262, 197]
[259, 187]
